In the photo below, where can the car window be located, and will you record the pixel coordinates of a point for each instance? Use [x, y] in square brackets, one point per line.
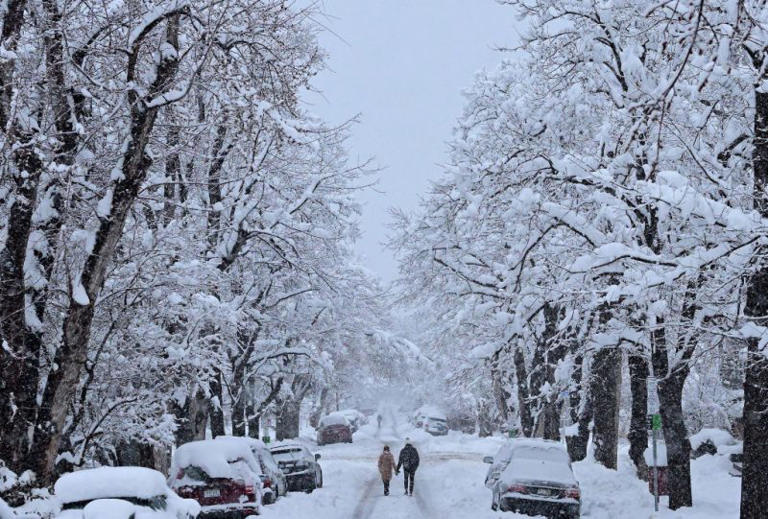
[288, 454]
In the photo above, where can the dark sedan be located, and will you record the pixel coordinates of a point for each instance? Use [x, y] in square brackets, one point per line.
[301, 467]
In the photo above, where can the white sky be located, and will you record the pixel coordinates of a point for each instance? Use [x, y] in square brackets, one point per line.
[402, 64]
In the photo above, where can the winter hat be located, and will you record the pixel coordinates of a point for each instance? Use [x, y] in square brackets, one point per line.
[386, 448]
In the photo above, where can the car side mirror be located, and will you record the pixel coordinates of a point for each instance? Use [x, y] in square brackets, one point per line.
[488, 460]
[317, 457]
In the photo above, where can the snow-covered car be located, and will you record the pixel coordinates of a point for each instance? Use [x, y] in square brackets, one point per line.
[431, 419]
[274, 483]
[223, 476]
[436, 425]
[334, 428]
[299, 465]
[355, 418]
[120, 493]
[533, 477]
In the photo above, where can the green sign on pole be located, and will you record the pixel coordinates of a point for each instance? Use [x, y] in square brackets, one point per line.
[656, 422]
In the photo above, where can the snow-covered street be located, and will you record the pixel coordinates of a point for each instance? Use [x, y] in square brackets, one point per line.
[449, 483]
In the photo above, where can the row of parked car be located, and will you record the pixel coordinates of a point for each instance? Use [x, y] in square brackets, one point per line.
[227, 477]
[534, 477]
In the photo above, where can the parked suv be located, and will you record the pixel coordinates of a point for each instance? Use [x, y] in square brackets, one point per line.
[334, 428]
[120, 493]
[533, 477]
[223, 476]
[300, 466]
[272, 478]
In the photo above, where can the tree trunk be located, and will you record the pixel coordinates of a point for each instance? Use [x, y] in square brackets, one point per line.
[216, 406]
[605, 391]
[754, 481]
[191, 417]
[71, 356]
[670, 390]
[484, 421]
[317, 412]
[548, 421]
[238, 416]
[288, 419]
[638, 427]
[252, 418]
[523, 398]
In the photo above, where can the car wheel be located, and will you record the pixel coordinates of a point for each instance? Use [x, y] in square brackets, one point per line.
[311, 487]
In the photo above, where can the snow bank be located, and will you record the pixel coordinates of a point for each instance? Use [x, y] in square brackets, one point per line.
[110, 482]
[719, 437]
[216, 457]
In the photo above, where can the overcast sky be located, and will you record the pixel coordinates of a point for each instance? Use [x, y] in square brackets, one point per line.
[402, 64]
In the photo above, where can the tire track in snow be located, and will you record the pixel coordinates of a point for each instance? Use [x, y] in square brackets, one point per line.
[365, 507]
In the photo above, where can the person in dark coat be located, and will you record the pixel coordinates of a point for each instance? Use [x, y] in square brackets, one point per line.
[409, 461]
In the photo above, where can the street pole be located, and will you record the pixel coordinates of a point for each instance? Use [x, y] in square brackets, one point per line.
[655, 473]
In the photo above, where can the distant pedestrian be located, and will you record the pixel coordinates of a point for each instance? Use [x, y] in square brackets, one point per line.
[378, 418]
[409, 460]
[386, 467]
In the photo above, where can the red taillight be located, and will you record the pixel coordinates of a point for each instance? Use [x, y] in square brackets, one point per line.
[573, 493]
[518, 489]
[180, 474]
[267, 483]
[250, 490]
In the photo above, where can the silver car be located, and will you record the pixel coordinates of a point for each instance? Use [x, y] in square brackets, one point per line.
[533, 477]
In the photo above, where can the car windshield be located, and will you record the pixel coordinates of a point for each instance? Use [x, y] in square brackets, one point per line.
[155, 503]
[541, 453]
[287, 455]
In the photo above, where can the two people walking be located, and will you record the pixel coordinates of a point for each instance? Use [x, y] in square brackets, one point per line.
[408, 460]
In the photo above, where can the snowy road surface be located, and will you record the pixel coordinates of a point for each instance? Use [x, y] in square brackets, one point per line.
[449, 483]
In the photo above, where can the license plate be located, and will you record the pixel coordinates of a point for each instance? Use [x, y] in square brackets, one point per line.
[215, 492]
[544, 492]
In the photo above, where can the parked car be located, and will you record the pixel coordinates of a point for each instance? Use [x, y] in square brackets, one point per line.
[334, 428]
[533, 477]
[431, 419]
[273, 480]
[120, 493]
[223, 476]
[355, 418]
[300, 466]
[436, 426]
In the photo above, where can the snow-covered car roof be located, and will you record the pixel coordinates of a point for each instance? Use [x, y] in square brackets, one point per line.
[110, 482]
[215, 457]
[533, 459]
[335, 418]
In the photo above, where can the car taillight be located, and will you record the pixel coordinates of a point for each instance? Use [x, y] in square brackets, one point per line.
[573, 493]
[518, 489]
[267, 483]
[180, 474]
[250, 490]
